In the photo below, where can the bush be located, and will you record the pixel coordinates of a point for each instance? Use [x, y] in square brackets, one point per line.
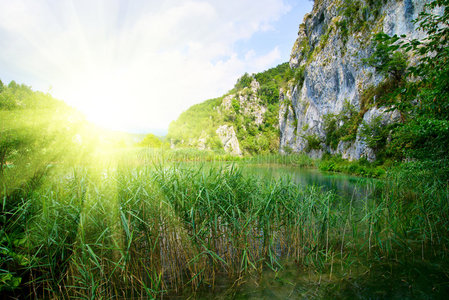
[375, 134]
[342, 126]
[299, 76]
[243, 82]
[269, 93]
[236, 105]
[313, 142]
[360, 168]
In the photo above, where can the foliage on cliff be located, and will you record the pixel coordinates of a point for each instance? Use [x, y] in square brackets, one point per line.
[198, 121]
[421, 90]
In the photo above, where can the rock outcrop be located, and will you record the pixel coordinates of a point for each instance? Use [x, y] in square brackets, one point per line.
[331, 74]
[250, 105]
[229, 139]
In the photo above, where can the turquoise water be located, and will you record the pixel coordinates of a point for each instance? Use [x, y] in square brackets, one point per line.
[347, 186]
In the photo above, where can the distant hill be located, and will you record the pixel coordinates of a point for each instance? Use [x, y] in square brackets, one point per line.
[244, 120]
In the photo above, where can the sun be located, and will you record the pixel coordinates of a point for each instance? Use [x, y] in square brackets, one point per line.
[103, 98]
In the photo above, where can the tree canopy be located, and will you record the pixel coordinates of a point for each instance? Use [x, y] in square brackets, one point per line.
[150, 140]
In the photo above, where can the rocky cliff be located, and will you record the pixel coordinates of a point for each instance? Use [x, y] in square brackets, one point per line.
[333, 94]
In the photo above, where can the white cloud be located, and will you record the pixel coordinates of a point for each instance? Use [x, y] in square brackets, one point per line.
[134, 64]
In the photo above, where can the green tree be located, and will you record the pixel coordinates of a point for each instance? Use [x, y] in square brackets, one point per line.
[244, 81]
[421, 92]
[387, 59]
[269, 92]
[426, 134]
[13, 85]
[150, 140]
[375, 134]
[236, 105]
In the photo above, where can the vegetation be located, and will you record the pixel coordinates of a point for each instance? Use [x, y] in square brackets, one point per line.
[153, 230]
[425, 134]
[244, 82]
[313, 142]
[360, 168]
[198, 121]
[280, 75]
[34, 132]
[356, 17]
[299, 76]
[418, 91]
[342, 126]
[151, 141]
[376, 134]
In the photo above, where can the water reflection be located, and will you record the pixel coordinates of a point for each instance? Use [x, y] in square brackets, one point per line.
[348, 187]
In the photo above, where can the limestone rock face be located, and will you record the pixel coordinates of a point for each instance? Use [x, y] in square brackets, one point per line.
[202, 143]
[229, 139]
[250, 104]
[287, 122]
[331, 61]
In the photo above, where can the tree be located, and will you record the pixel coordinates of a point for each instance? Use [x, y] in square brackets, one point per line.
[244, 81]
[427, 133]
[386, 59]
[151, 141]
[422, 90]
[13, 84]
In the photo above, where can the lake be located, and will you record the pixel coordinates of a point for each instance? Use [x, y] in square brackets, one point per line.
[347, 186]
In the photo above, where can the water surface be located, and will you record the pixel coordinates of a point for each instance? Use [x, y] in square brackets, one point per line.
[347, 186]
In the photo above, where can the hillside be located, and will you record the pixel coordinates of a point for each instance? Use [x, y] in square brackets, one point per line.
[242, 121]
[36, 129]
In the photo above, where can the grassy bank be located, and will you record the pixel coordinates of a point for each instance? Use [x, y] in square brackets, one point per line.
[327, 163]
[124, 230]
[359, 167]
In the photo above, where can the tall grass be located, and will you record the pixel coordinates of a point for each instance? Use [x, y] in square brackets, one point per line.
[154, 230]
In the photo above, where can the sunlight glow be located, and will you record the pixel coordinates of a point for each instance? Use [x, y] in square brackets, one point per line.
[136, 65]
[102, 99]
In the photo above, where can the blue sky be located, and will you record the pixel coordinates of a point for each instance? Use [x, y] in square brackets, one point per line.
[136, 65]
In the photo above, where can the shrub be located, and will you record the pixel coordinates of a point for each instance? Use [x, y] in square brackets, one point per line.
[313, 142]
[236, 105]
[243, 82]
[342, 126]
[375, 133]
[299, 76]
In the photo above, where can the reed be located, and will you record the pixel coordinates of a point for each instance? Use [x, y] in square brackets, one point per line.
[154, 230]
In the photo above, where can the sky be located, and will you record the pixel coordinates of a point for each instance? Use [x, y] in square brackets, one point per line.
[135, 65]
